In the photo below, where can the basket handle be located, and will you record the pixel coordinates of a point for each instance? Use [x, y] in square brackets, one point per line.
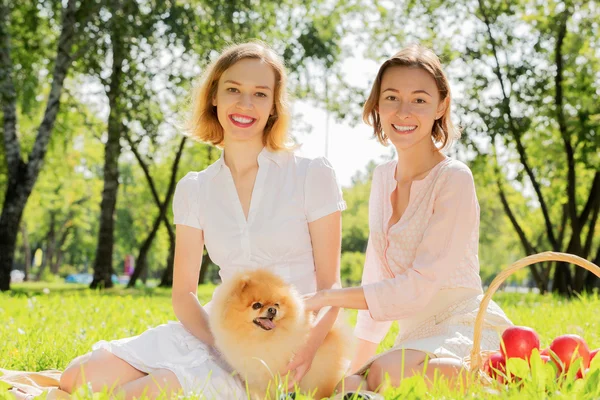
[476, 359]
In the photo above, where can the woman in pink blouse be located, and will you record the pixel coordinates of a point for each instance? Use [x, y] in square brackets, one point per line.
[258, 205]
[421, 266]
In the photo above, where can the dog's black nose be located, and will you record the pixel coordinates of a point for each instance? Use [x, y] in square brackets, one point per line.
[272, 311]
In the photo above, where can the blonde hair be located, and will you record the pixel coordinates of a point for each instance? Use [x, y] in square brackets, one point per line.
[204, 123]
[444, 132]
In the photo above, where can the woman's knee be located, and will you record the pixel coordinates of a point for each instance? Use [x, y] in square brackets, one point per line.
[67, 379]
[393, 367]
[351, 383]
[71, 372]
[83, 369]
[375, 375]
[449, 368]
[383, 374]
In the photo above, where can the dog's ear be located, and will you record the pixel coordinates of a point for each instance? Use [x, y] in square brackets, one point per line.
[243, 284]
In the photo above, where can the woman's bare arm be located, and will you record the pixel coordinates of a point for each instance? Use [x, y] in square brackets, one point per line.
[189, 246]
[326, 238]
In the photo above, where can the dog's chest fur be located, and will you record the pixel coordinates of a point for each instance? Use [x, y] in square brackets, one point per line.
[261, 361]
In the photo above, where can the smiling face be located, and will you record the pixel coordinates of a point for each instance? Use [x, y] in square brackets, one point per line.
[245, 100]
[409, 103]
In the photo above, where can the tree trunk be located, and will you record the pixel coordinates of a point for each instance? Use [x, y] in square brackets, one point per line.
[104, 251]
[167, 277]
[204, 268]
[563, 284]
[59, 253]
[59, 257]
[12, 211]
[26, 251]
[50, 246]
[141, 266]
[42, 267]
[591, 280]
[579, 279]
[527, 246]
[22, 175]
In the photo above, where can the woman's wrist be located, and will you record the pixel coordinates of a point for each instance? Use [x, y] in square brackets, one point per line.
[320, 330]
[329, 297]
[353, 298]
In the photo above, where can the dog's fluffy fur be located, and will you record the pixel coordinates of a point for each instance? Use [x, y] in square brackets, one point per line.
[259, 322]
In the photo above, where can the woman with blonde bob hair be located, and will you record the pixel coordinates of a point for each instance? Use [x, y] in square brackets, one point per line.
[204, 123]
[258, 206]
[421, 267]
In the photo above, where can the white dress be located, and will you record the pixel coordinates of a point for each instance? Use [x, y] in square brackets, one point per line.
[289, 192]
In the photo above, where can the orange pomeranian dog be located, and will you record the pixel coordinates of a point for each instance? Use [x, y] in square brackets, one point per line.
[259, 322]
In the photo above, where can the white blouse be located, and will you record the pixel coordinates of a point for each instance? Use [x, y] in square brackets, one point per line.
[289, 192]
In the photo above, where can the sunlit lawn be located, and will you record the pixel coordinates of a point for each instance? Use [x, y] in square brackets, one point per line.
[44, 329]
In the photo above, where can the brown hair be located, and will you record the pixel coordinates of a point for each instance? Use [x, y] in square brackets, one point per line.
[444, 132]
[204, 123]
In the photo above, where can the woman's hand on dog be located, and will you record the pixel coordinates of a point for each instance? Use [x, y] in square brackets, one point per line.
[300, 364]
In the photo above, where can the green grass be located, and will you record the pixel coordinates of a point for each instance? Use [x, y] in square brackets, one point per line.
[46, 329]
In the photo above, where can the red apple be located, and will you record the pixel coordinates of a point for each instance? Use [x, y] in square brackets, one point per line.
[494, 365]
[544, 358]
[568, 348]
[519, 341]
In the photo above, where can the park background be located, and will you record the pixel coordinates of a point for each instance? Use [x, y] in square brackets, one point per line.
[93, 93]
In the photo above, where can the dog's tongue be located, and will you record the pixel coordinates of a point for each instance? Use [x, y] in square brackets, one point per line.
[267, 323]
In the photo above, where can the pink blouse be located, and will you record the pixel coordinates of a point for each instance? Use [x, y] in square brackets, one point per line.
[433, 246]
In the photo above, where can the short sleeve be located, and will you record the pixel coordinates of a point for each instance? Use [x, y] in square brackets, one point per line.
[186, 201]
[322, 193]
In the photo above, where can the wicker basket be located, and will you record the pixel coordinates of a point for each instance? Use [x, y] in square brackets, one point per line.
[477, 357]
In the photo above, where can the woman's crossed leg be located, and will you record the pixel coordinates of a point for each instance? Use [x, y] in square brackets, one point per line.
[400, 364]
[103, 369]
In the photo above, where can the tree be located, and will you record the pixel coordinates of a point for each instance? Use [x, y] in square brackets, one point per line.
[20, 26]
[355, 229]
[162, 205]
[57, 218]
[134, 35]
[527, 103]
[540, 104]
